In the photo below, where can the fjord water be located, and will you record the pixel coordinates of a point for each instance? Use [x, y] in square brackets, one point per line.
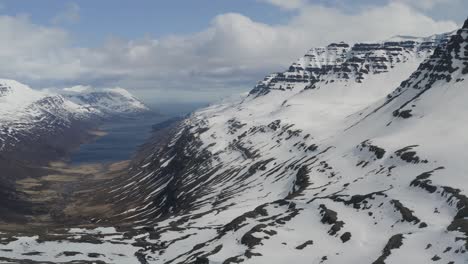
[124, 136]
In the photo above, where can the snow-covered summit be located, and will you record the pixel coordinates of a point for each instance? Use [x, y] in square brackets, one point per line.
[13, 93]
[109, 101]
[11, 87]
[341, 62]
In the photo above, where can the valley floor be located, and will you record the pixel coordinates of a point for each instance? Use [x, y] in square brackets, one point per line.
[62, 196]
[64, 205]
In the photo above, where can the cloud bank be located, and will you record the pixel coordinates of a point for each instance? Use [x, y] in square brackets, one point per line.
[230, 55]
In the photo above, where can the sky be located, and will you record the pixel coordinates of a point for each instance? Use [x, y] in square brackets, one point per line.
[193, 51]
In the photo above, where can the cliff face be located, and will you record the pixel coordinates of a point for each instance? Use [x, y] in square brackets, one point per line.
[340, 62]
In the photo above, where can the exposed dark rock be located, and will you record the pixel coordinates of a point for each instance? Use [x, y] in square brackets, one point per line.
[237, 223]
[345, 237]
[331, 217]
[202, 260]
[403, 114]
[379, 152]
[405, 212]
[460, 221]
[301, 183]
[236, 259]
[394, 242]
[359, 199]
[328, 216]
[95, 255]
[70, 253]
[249, 239]
[234, 125]
[249, 254]
[423, 181]
[34, 253]
[305, 244]
[312, 147]
[336, 227]
[408, 155]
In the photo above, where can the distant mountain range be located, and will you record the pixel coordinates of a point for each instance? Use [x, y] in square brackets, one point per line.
[37, 120]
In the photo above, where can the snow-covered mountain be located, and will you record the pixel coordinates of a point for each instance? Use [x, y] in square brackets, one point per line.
[354, 155]
[109, 101]
[45, 119]
[340, 62]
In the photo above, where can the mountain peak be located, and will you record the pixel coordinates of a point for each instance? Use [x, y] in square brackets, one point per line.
[466, 24]
[340, 44]
[13, 86]
[106, 100]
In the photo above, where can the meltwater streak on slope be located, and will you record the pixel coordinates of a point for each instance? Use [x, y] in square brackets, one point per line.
[125, 135]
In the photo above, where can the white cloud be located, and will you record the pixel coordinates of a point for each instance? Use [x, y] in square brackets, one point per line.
[287, 4]
[427, 4]
[70, 15]
[30, 51]
[371, 24]
[231, 54]
[77, 88]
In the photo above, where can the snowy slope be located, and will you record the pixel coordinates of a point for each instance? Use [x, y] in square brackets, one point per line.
[354, 155]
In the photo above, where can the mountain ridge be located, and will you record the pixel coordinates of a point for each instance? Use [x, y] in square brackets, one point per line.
[341, 61]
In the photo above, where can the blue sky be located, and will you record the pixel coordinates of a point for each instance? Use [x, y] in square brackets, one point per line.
[134, 19]
[193, 50]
